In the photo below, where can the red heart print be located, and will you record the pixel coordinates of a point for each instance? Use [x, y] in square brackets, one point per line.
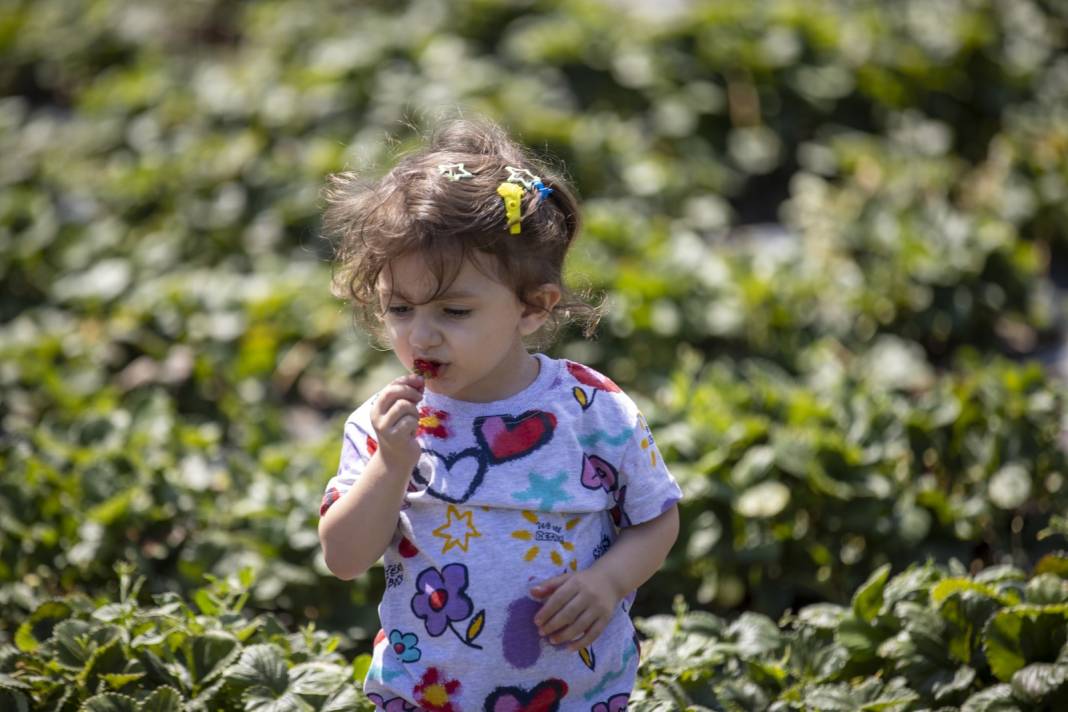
[507, 437]
[589, 377]
[545, 697]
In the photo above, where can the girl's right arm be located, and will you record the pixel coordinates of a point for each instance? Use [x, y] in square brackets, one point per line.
[359, 526]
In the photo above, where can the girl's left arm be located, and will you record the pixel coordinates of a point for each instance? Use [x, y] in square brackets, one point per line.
[580, 604]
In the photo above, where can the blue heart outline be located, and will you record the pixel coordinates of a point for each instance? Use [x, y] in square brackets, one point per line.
[449, 461]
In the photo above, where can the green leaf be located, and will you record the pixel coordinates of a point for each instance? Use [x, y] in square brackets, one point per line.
[346, 699]
[73, 642]
[157, 672]
[947, 689]
[162, 699]
[109, 702]
[116, 681]
[206, 602]
[107, 658]
[316, 679]
[998, 698]
[868, 600]
[754, 635]
[41, 624]
[950, 586]
[965, 612]
[1000, 574]
[264, 699]
[821, 615]
[1017, 636]
[360, 665]
[831, 698]
[1047, 589]
[1055, 563]
[860, 639]
[1038, 682]
[262, 664]
[12, 683]
[210, 654]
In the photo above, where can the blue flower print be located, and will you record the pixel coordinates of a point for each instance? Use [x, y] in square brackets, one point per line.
[405, 645]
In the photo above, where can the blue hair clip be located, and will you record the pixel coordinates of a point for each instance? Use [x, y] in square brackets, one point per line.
[543, 192]
[529, 181]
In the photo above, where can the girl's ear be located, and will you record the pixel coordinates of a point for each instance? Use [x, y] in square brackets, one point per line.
[539, 304]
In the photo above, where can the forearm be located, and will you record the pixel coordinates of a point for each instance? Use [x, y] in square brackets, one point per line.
[638, 553]
[359, 526]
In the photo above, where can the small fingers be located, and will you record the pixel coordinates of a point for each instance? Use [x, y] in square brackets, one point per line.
[591, 635]
[547, 587]
[577, 629]
[563, 618]
[553, 604]
[408, 388]
[413, 381]
[401, 417]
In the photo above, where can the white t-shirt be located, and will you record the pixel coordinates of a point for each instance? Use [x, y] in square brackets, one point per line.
[505, 494]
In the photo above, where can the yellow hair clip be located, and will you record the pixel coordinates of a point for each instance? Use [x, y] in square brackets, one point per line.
[513, 195]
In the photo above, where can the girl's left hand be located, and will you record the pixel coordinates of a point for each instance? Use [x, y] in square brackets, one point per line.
[578, 608]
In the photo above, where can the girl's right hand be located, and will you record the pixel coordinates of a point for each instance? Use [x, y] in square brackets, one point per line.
[395, 418]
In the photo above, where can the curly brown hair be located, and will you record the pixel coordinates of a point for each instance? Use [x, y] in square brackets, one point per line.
[415, 209]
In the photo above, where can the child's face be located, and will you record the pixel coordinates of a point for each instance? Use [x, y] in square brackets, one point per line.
[472, 333]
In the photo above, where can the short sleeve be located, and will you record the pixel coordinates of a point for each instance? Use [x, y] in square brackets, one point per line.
[357, 447]
[646, 487]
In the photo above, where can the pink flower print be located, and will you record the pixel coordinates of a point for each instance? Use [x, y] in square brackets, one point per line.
[434, 691]
[615, 703]
[432, 422]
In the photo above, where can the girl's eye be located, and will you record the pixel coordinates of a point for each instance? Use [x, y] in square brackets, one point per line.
[398, 310]
[458, 313]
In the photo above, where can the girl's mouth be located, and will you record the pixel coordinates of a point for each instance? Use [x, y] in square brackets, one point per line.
[427, 369]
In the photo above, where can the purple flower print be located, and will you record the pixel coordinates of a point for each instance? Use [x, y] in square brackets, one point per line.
[441, 599]
[395, 704]
[615, 703]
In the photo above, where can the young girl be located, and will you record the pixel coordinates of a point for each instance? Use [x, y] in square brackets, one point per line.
[517, 500]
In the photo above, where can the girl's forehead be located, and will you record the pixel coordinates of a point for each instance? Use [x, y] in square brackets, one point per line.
[411, 276]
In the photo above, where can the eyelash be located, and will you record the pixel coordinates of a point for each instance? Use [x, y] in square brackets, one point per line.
[454, 313]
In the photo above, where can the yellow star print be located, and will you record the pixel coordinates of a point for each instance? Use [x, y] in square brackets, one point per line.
[446, 532]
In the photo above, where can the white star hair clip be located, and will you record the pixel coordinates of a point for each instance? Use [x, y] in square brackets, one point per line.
[529, 181]
[454, 171]
[521, 176]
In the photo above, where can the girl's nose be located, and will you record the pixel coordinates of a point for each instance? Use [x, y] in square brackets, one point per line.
[423, 334]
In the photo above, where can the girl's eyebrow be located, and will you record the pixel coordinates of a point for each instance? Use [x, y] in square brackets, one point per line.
[451, 294]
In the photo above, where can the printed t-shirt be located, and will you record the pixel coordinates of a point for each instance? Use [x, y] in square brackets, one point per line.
[506, 494]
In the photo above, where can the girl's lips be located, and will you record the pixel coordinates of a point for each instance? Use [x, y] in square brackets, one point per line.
[426, 368]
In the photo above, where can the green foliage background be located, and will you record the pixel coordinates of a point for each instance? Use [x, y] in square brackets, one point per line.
[827, 232]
